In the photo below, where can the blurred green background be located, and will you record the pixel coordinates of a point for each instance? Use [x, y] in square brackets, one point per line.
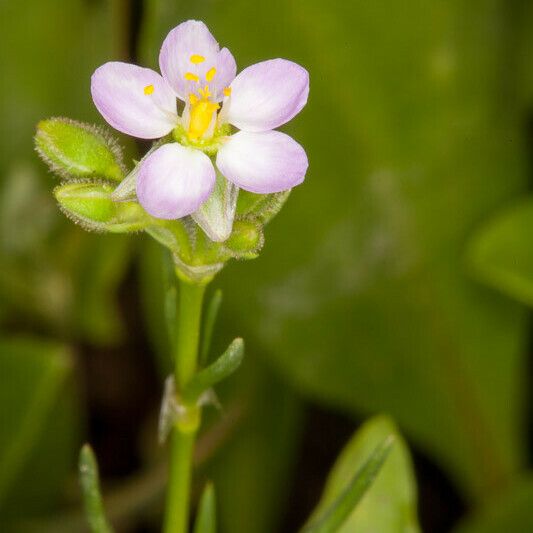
[396, 280]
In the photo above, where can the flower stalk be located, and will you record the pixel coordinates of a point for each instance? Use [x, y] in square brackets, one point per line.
[185, 429]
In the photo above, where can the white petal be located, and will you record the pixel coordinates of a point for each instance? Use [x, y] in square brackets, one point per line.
[119, 91]
[263, 162]
[267, 95]
[174, 181]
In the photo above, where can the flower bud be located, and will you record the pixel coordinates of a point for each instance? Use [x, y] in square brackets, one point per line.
[76, 150]
[246, 239]
[263, 207]
[90, 205]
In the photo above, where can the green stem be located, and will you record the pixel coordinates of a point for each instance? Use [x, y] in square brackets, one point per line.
[184, 431]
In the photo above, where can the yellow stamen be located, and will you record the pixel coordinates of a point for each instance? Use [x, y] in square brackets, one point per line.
[196, 59]
[201, 115]
[149, 89]
[210, 74]
[193, 99]
[205, 92]
[191, 77]
[227, 91]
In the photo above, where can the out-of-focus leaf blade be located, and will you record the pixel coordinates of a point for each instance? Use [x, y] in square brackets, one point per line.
[206, 517]
[330, 519]
[36, 432]
[92, 497]
[389, 505]
[501, 253]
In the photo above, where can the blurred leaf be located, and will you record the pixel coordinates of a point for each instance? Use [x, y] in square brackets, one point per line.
[389, 506]
[253, 472]
[92, 498]
[38, 424]
[510, 511]
[206, 519]
[501, 253]
[360, 296]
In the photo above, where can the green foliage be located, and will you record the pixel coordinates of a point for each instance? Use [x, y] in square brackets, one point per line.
[92, 498]
[77, 150]
[206, 518]
[216, 372]
[501, 253]
[38, 424]
[361, 298]
[374, 464]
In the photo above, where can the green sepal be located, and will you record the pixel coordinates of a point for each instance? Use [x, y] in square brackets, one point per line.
[223, 367]
[206, 517]
[77, 150]
[263, 207]
[89, 204]
[92, 498]
[246, 240]
[331, 519]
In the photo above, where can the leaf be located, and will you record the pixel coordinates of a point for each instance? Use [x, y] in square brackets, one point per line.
[509, 511]
[217, 371]
[77, 150]
[501, 253]
[361, 299]
[206, 516]
[374, 464]
[38, 425]
[333, 517]
[92, 499]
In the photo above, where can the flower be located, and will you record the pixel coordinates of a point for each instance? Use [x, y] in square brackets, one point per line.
[178, 177]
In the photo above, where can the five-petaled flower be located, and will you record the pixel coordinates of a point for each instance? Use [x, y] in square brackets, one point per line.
[175, 179]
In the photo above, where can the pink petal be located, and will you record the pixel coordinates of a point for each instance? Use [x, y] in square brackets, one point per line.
[192, 38]
[262, 162]
[174, 181]
[267, 95]
[118, 91]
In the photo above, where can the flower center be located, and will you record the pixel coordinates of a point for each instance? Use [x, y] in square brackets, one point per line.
[202, 111]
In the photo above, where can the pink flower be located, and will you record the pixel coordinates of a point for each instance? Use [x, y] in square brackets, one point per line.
[178, 177]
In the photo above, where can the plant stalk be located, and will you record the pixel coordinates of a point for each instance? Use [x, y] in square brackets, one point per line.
[184, 431]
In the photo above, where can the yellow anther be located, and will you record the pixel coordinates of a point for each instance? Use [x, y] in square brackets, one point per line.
[205, 92]
[196, 59]
[226, 91]
[210, 74]
[149, 89]
[191, 77]
[201, 115]
[193, 99]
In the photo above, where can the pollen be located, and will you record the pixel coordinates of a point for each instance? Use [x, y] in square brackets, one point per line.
[210, 74]
[193, 99]
[191, 77]
[149, 89]
[227, 91]
[205, 92]
[197, 59]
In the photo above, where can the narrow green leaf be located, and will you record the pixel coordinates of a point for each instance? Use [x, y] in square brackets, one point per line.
[90, 485]
[224, 366]
[77, 150]
[209, 325]
[333, 517]
[206, 519]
